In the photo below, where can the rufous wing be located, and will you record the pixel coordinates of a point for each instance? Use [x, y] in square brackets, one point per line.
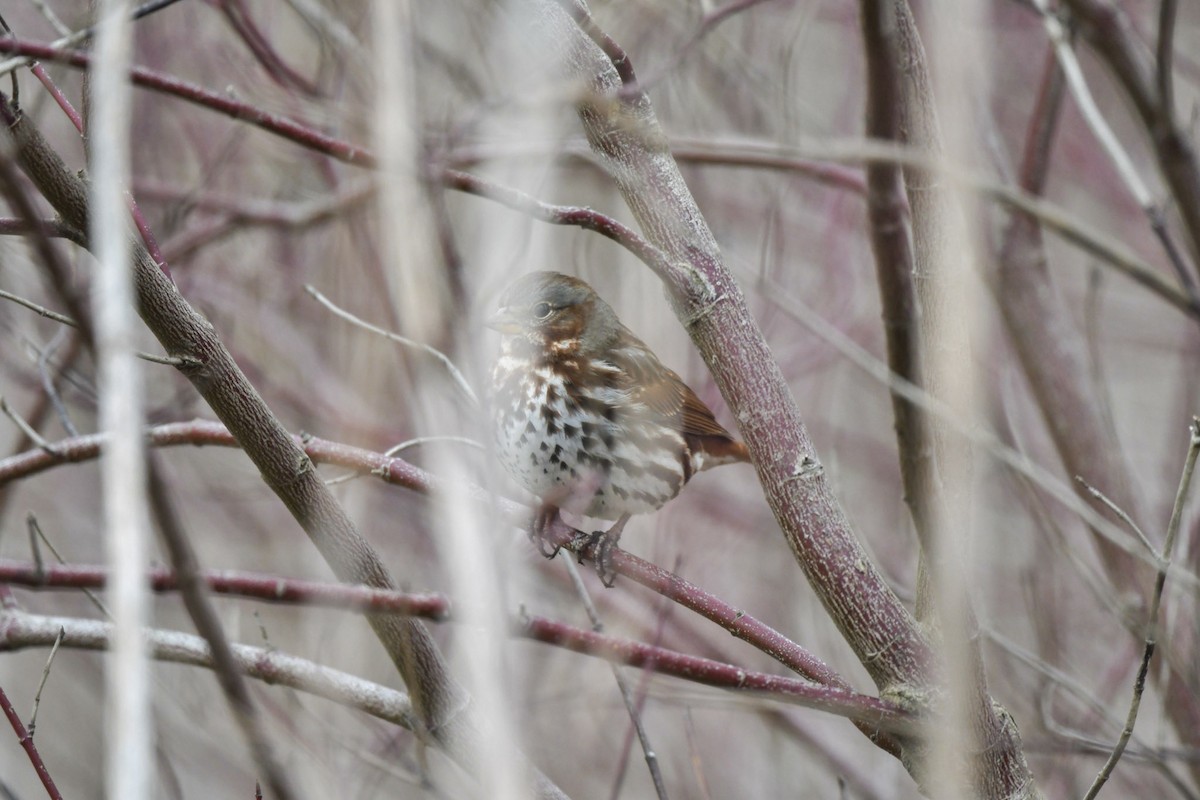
[666, 396]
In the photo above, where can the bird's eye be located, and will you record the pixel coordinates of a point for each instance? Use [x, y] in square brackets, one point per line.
[542, 310]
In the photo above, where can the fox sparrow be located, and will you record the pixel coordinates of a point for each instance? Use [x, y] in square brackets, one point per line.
[586, 416]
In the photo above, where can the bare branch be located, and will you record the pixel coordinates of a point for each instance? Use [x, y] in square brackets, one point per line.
[22, 630]
[459, 380]
[1108, 140]
[878, 715]
[585, 218]
[631, 706]
[37, 696]
[289, 129]
[200, 608]
[1107, 29]
[253, 585]
[1139, 685]
[25, 738]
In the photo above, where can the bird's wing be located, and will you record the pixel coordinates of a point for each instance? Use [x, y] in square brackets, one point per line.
[661, 391]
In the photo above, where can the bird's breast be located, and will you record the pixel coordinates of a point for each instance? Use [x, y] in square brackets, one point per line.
[583, 446]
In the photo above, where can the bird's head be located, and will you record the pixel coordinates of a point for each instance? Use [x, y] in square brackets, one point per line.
[556, 314]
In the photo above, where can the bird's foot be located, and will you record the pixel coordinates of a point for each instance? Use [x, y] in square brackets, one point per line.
[602, 544]
[539, 531]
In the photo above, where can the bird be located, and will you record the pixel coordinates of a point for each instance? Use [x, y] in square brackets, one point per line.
[586, 417]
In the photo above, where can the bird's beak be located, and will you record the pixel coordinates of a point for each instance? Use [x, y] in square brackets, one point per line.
[505, 321]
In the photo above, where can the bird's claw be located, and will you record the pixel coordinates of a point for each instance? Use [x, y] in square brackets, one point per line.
[602, 544]
[605, 545]
[538, 530]
[546, 548]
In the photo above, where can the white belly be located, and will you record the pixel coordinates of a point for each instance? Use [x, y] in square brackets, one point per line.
[600, 474]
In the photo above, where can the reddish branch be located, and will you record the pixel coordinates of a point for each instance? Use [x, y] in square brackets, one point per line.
[1054, 357]
[260, 46]
[877, 715]
[257, 586]
[586, 218]
[26, 741]
[301, 134]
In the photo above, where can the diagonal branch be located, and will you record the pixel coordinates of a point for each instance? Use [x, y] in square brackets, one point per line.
[1107, 29]
[25, 738]
[707, 300]
[284, 127]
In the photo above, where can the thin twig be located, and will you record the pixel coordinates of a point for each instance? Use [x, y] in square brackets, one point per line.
[47, 12]
[635, 717]
[253, 585]
[1113, 507]
[40, 310]
[459, 380]
[170, 361]
[35, 534]
[204, 616]
[1111, 251]
[37, 697]
[48, 387]
[1017, 461]
[638, 701]
[290, 129]
[34, 529]
[1189, 466]
[1112, 145]
[420, 440]
[399, 448]
[708, 23]
[1088, 108]
[578, 216]
[25, 427]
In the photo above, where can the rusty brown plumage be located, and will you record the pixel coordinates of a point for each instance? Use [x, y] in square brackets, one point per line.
[586, 416]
